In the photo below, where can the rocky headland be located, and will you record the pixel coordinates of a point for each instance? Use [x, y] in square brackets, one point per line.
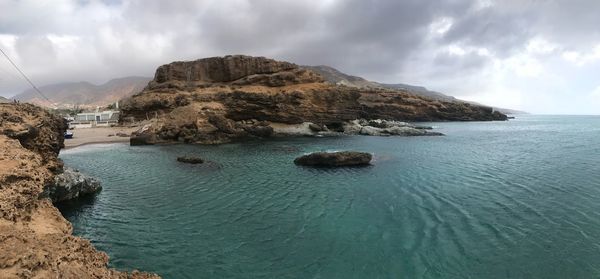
[35, 240]
[223, 99]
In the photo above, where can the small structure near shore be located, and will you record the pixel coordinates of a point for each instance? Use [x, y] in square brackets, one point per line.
[95, 119]
[335, 159]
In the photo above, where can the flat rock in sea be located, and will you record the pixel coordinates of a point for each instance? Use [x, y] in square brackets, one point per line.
[190, 160]
[335, 159]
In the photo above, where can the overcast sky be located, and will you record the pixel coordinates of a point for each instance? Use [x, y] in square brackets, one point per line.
[542, 56]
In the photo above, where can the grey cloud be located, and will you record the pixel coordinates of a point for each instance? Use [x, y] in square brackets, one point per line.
[489, 28]
[384, 40]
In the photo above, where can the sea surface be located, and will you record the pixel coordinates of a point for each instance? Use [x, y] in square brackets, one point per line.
[515, 199]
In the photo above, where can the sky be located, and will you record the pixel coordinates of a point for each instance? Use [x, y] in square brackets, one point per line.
[541, 56]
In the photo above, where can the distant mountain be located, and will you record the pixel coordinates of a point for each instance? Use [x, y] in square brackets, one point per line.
[334, 76]
[84, 94]
[4, 100]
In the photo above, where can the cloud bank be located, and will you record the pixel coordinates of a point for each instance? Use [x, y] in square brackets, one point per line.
[541, 56]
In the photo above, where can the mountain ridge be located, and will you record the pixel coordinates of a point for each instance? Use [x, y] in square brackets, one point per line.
[335, 76]
[85, 94]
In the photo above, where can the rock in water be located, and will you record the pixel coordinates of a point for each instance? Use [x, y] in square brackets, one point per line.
[335, 159]
[190, 160]
[71, 184]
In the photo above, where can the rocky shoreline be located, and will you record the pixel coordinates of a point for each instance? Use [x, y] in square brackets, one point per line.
[35, 239]
[223, 99]
[207, 101]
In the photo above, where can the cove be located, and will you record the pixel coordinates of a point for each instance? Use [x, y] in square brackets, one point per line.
[517, 199]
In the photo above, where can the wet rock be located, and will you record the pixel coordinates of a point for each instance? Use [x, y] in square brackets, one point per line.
[71, 184]
[335, 159]
[380, 127]
[190, 160]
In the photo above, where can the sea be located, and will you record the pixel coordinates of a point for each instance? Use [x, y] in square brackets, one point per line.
[512, 199]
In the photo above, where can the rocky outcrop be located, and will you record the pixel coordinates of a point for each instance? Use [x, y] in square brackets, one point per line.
[35, 240]
[190, 160]
[71, 184]
[221, 99]
[335, 159]
[380, 127]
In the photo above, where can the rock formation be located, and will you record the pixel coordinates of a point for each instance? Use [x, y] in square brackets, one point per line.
[335, 159]
[190, 160]
[220, 99]
[35, 240]
[380, 127]
[71, 184]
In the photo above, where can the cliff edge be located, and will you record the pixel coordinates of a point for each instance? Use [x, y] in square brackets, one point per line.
[220, 99]
[35, 240]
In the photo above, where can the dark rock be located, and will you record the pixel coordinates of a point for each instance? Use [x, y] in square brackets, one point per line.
[335, 159]
[190, 160]
[142, 139]
[317, 128]
[71, 184]
[259, 131]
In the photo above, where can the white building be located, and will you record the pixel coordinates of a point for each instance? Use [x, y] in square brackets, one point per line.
[95, 119]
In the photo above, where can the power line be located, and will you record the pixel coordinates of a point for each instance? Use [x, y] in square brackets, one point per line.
[25, 76]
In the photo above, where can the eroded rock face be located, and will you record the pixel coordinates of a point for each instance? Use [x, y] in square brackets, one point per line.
[35, 240]
[222, 99]
[71, 184]
[335, 159]
[235, 69]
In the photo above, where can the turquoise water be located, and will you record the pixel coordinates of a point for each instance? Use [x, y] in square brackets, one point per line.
[517, 199]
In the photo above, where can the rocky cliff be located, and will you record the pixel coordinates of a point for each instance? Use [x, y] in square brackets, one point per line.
[220, 99]
[35, 240]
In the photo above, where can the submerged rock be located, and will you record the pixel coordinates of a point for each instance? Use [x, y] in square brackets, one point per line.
[335, 159]
[190, 160]
[71, 184]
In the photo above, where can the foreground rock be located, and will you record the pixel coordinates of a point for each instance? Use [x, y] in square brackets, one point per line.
[190, 160]
[335, 159]
[35, 240]
[223, 99]
[71, 184]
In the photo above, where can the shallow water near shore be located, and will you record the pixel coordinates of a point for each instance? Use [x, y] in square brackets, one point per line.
[516, 199]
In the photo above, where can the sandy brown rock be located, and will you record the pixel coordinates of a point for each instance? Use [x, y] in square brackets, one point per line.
[35, 240]
[220, 99]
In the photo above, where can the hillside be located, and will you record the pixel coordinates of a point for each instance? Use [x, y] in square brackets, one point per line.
[335, 76]
[85, 94]
[4, 100]
[220, 99]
